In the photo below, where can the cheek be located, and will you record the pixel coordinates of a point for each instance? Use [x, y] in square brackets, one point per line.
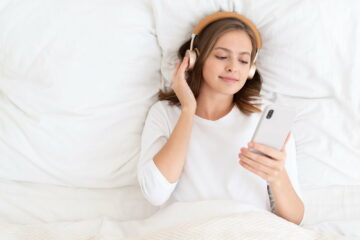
[244, 71]
[210, 70]
[214, 66]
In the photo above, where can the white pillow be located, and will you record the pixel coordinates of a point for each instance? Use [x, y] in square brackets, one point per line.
[299, 37]
[76, 81]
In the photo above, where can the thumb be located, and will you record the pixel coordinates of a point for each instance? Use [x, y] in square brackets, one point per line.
[286, 142]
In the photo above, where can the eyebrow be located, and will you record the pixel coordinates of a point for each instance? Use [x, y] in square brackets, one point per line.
[228, 50]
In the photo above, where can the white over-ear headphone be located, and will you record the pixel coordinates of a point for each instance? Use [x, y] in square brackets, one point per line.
[194, 53]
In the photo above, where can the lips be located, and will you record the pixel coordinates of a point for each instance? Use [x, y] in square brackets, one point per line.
[228, 79]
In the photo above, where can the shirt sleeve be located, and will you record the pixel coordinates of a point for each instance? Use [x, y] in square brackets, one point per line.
[154, 186]
[291, 166]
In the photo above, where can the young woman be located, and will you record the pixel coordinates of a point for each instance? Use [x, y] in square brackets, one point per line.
[195, 142]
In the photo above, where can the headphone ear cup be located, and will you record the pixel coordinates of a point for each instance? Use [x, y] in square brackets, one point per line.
[192, 58]
[252, 71]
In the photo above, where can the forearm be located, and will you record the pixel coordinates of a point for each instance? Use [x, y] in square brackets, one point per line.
[170, 159]
[288, 205]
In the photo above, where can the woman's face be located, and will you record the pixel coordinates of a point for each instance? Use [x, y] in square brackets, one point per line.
[226, 69]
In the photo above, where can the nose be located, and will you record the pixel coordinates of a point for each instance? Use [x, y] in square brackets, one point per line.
[231, 66]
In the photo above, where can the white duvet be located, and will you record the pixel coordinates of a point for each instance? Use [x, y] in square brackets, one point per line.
[192, 220]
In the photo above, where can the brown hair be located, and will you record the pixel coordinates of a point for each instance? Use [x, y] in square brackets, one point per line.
[245, 99]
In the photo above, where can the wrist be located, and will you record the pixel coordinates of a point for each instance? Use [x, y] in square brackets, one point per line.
[281, 179]
[188, 110]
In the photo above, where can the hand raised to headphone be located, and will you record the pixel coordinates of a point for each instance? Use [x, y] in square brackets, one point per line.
[181, 87]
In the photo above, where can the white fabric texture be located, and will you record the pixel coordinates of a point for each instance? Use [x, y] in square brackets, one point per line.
[75, 86]
[194, 220]
[248, 224]
[33, 203]
[332, 204]
[212, 170]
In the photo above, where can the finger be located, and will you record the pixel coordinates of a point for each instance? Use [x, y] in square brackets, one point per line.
[269, 151]
[286, 142]
[253, 170]
[258, 157]
[258, 166]
[176, 69]
[184, 63]
[180, 68]
[178, 65]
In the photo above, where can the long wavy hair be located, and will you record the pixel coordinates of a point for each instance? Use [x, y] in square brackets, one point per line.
[247, 99]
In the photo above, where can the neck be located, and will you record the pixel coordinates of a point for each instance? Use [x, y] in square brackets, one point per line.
[213, 107]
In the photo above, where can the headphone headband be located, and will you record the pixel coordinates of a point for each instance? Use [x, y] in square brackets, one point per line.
[221, 15]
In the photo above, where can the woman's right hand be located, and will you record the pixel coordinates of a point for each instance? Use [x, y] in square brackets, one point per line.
[181, 87]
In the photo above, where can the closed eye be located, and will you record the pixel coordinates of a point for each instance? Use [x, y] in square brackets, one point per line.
[219, 57]
[222, 58]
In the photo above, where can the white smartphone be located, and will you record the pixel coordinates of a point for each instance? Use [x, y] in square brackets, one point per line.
[274, 126]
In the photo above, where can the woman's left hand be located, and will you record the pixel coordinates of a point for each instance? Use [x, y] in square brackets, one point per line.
[269, 167]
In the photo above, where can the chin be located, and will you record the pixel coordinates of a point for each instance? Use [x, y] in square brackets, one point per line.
[229, 91]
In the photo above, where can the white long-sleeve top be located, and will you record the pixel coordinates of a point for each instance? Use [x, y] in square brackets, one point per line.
[212, 170]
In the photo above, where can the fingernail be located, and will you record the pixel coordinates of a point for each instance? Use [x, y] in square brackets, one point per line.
[250, 144]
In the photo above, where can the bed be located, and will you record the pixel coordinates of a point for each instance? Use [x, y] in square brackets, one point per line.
[77, 79]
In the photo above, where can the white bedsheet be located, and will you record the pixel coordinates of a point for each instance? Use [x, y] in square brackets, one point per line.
[346, 228]
[33, 203]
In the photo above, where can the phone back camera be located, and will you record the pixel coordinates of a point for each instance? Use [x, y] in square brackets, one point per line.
[269, 114]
